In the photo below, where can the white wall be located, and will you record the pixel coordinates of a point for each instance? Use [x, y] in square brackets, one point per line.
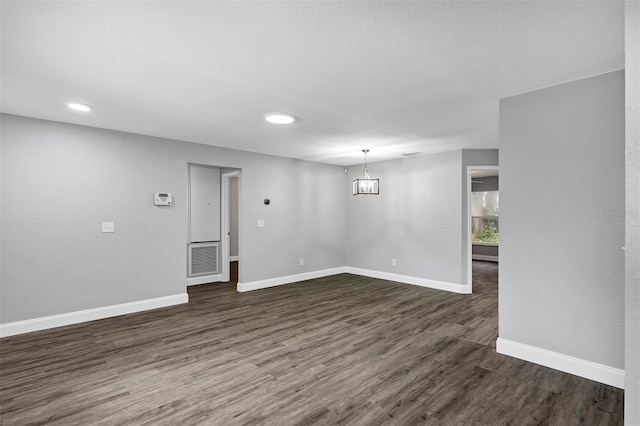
[60, 181]
[561, 197]
[632, 214]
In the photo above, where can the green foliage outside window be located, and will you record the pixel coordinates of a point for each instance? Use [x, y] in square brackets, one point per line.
[485, 217]
[488, 234]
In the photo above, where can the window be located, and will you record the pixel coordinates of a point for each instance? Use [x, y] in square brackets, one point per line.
[485, 223]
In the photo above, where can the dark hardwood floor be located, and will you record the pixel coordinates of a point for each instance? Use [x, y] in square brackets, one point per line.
[338, 350]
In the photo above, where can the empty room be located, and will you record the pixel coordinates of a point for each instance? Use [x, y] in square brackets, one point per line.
[320, 212]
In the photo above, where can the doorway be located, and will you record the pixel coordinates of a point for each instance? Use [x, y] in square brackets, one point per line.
[230, 210]
[482, 217]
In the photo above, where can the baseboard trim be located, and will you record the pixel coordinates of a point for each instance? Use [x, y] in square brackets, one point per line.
[422, 282]
[53, 321]
[484, 257]
[234, 258]
[272, 282]
[205, 279]
[406, 279]
[568, 364]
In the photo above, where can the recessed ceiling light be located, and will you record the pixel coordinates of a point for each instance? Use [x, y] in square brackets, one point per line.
[79, 107]
[280, 118]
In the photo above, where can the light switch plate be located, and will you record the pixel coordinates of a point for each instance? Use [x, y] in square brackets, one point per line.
[108, 227]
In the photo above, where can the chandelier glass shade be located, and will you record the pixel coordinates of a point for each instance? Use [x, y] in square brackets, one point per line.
[365, 185]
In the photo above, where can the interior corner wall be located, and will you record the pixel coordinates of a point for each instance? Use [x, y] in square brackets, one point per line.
[415, 219]
[632, 214]
[561, 219]
[60, 181]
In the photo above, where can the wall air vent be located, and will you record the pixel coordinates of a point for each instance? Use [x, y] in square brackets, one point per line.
[204, 259]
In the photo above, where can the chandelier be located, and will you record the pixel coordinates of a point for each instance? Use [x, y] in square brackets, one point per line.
[365, 185]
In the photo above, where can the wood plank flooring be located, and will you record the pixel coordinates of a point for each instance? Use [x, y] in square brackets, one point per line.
[338, 350]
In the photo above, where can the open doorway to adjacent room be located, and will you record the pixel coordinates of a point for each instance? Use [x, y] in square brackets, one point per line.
[230, 225]
[483, 219]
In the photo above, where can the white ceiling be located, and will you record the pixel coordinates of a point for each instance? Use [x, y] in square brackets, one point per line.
[394, 77]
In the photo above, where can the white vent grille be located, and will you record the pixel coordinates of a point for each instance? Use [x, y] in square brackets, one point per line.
[204, 259]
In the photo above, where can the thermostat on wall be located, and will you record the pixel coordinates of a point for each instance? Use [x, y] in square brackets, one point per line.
[162, 199]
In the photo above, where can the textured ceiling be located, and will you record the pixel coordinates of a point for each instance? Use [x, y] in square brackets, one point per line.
[394, 77]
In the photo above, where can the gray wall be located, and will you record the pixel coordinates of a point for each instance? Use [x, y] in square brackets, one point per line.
[485, 250]
[233, 216]
[489, 183]
[562, 264]
[60, 181]
[415, 219]
[632, 214]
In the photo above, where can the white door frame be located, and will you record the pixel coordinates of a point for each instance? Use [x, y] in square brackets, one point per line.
[226, 226]
[469, 237]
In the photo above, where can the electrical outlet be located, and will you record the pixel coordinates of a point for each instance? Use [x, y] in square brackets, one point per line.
[108, 227]
[302, 261]
[394, 262]
[260, 223]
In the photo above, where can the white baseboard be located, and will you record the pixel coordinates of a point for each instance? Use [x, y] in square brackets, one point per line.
[53, 321]
[568, 364]
[234, 258]
[205, 279]
[484, 257]
[422, 282]
[272, 282]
